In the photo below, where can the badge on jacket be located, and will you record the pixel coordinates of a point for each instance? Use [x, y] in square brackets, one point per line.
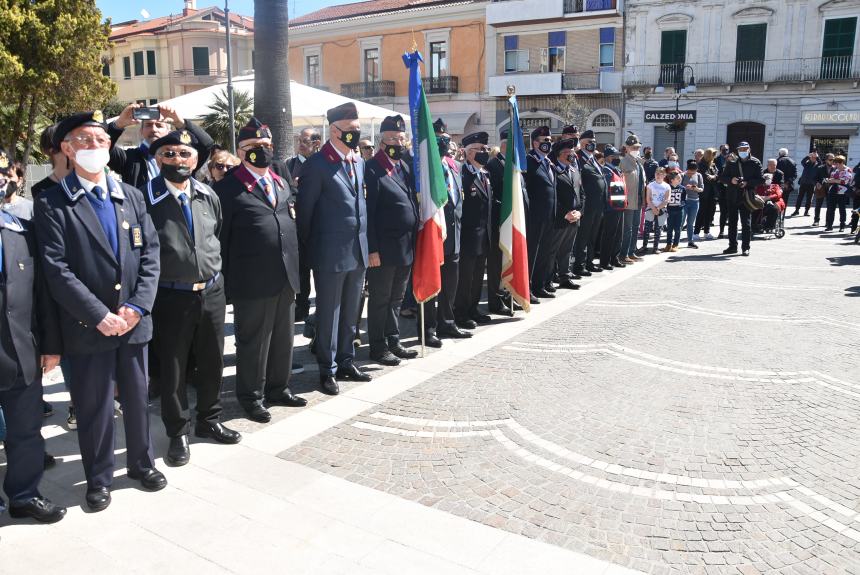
[136, 236]
[292, 209]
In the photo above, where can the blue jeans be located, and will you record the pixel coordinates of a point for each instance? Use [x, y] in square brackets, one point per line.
[2, 426]
[673, 225]
[691, 210]
[630, 232]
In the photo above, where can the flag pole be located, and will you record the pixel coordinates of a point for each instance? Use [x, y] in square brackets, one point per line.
[423, 349]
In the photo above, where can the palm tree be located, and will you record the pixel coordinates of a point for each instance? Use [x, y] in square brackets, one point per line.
[272, 75]
[217, 121]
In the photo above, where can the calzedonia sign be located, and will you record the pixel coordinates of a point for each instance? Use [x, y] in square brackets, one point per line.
[831, 117]
[660, 116]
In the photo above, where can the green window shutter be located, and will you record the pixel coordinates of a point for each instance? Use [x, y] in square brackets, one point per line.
[752, 39]
[839, 36]
[138, 64]
[673, 47]
[150, 62]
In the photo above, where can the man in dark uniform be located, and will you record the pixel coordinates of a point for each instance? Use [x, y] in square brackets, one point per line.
[496, 169]
[137, 166]
[30, 345]
[309, 144]
[540, 184]
[742, 172]
[568, 209]
[332, 220]
[595, 191]
[439, 321]
[474, 231]
[613, 218]
[392, 222]
[100, 256]
[190, 305]
[260, 262]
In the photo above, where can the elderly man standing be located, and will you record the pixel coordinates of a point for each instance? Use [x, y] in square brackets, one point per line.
[190, 306]
[260, 261]
[742, 172]
[100, 254]
[595, 191]
[332, 221]
[540, 185]
[634, 181]
[392, 222]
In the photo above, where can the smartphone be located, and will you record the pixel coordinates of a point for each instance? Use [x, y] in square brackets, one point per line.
[149, 113]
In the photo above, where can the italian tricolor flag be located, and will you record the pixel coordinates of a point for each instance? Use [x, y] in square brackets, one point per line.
[512, 236]
[431, 187]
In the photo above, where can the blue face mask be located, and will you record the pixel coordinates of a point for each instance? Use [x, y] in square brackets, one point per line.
[744, 155]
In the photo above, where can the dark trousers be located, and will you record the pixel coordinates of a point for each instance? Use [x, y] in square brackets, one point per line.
[25, 448]
[835, 201]
[738, 210]
[707, 209]
[187, 323]
[787, 188]
[819, 203]
[536, 235]
[264, 346]
[387, 286]
[494, 272]
[545, 260]
[583, 247]
[337, 303]
[724, 209]
[469, 286]
[94, 378]
[303, 297]
[610, 240]
[807, 191]
[563, 239]
[439, 311]
[673, 225]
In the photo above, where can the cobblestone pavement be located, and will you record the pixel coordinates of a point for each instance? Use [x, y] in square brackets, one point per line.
[700, 417]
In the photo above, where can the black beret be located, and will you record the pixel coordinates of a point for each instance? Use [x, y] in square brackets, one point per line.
[610, 151]
[439, 126]
[567, 144]
[570, 130]
[476, 138]
[632, 140]
[692, 164]
[345, 111]
[5, 162]
[588, 134]
[540, 132]
[94, 118]
[393, 124]
[174, 138]
[503, 135]
[253, 129]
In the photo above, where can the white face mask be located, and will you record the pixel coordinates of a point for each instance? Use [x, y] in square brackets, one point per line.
[634, 153]
[92, 161]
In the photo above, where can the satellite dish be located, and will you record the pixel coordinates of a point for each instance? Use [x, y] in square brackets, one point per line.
[144, 13]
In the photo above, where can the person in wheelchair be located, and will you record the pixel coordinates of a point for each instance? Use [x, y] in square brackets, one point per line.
[771, 193]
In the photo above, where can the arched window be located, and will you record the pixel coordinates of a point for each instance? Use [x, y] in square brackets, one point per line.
[603, 121]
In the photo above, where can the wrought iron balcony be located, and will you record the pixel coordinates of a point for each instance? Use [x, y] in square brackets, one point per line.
[441, 85]
[578, 6]
[748, 72]
[361, 90]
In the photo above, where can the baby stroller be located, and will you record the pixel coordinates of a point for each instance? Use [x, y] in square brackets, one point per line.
[768, 209]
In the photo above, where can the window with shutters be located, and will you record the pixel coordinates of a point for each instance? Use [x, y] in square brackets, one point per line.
[749, 54]
[312, 70]
[838, 47]
[552, 57]
[138, 64]
[607, 48]
[200, 60]
[150, 62]
[126, 67]
[371, 65]
[673, 55]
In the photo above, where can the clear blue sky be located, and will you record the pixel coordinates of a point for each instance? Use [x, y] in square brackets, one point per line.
[120, 10]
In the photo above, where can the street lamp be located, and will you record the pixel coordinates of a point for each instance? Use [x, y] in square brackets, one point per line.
[682, 88]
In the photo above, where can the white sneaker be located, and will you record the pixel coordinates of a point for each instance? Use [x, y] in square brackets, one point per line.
[696, 238]
[709, 236]
[72, 421]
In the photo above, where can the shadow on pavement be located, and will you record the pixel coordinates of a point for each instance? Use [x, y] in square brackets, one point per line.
[853, 291]
[844, 260]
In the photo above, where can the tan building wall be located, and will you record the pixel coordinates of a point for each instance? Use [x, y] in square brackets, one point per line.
[581, 56]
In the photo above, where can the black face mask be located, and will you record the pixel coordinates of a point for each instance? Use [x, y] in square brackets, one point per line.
[260, 157]
[545, 147]
[350, 138]
[444, 144]
[394, 151]
[482, 158]
[648, 155]
[616, 162]
[571, 158]
[175, 174]
[590, 147]
[11, 188]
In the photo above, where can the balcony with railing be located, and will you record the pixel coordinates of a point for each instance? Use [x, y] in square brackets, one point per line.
[581, 6]
[441, 84]
[510, 11]
[366, 90]
[199, 75]
[837, 68]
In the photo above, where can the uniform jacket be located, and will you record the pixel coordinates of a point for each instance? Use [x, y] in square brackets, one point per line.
[475, 222]
[30, 327]
[392, 211]
[569, 195]
[130, 163]
[259, 248]
[750, 170]
[332, 213]
[540, 184]
[183, 258]
[634, 180]
[84, 276]
[593, 183]
[453, 210]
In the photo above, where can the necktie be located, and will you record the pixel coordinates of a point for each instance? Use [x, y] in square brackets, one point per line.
[270, 192]
[99, 193]
[350, 172]
[186, 211]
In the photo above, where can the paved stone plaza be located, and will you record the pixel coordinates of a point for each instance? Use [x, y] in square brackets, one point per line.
[691, 414]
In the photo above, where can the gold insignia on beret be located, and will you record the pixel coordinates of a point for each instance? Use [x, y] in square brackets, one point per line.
[348, 137]
[98, 116]
[185, 137]
[259, 133]
[4, 161]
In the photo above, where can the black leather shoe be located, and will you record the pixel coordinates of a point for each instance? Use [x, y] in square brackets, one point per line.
[287, 399]
[350, 372]
[549, 287]
[533, 300]
[543, 294]
[567, 284]
[329, 385]
[453, 332]
[501, 309]
[219, 433]
[480, 318]
[581, 273]
[385, 358]
[50, 461]
[618, 264]
[606, 267]
[745, 253]
[178, 453]
[98, 498]
[258, 413]
[397, 349]
[728, 251]
[302, 312]
[150, 479]
[430, 340]
[466, 323]
[38, 508]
